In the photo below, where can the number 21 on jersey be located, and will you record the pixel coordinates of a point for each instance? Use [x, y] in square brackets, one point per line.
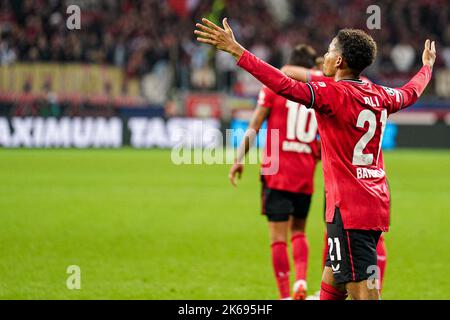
[366, 159]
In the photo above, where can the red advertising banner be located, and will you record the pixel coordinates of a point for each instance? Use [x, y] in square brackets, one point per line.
[203, 105]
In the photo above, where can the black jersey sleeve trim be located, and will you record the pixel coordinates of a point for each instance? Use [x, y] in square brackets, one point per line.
[313, 97]
[401, 96]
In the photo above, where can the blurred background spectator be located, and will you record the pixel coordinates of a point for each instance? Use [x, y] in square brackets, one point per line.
[153, 41]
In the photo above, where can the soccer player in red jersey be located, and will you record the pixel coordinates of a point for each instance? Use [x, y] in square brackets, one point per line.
[351, 115]
[303, 74]
[286, 193]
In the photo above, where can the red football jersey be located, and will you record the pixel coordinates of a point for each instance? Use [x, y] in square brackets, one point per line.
[291, 144]
[351, 116]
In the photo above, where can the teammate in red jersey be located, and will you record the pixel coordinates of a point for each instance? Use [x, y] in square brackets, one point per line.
[351, 116]
[286, 193]
[303, 74]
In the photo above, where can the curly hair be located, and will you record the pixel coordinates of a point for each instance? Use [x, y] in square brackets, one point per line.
[357, 47]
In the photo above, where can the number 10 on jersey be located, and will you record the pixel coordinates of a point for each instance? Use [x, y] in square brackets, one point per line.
[301, 123]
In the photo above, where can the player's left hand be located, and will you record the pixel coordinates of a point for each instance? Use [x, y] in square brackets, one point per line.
[222, 39]
[429, 53]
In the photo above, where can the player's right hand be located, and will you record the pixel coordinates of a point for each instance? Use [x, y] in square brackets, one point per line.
[236, 169]
[429, 53]
[223, 39]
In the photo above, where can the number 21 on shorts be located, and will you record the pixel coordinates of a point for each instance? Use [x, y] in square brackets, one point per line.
[334, 251]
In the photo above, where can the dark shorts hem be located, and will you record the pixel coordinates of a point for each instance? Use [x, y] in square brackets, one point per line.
[279, 205]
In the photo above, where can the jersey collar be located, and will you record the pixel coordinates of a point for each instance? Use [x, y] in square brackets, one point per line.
[352, 80]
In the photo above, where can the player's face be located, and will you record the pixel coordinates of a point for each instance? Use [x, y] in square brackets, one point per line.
[332, 59]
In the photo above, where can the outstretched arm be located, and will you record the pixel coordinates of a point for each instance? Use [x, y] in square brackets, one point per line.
[414, 88]
[274, 79]
[296, 72]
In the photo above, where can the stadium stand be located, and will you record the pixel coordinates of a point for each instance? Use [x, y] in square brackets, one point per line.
[132, 53]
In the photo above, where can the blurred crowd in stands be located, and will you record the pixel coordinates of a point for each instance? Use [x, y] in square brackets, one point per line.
[153, 39]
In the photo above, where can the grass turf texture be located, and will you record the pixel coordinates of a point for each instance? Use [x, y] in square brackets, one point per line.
[142, 228]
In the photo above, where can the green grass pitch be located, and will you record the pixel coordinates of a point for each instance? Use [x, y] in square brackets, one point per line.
[140, 227]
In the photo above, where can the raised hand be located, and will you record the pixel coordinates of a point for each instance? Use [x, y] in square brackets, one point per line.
[222, 39]
[429, 53]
